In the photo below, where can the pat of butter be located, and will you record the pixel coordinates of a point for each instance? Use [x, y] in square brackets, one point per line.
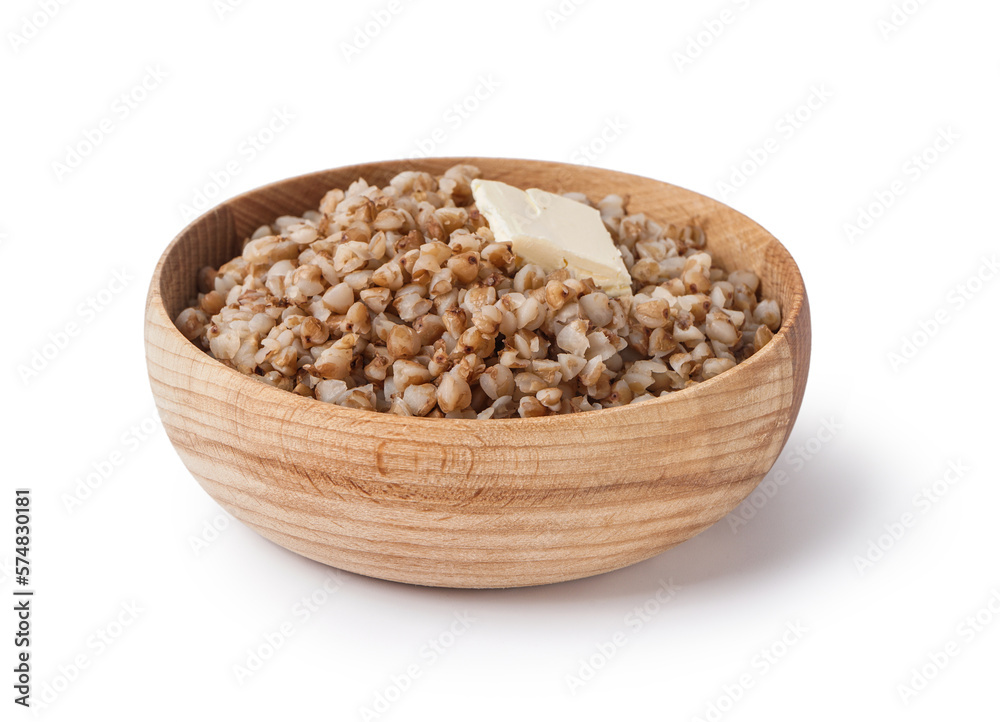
[554, 232]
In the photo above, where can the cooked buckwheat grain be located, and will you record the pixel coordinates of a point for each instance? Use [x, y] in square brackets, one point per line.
[399, 299]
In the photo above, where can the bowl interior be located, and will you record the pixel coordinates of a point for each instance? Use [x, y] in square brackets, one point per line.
[735, 241]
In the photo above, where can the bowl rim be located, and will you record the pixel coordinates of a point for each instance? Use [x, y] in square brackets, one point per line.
[240, 381]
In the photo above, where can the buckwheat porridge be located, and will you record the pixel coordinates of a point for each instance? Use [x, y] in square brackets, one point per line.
[403, 299]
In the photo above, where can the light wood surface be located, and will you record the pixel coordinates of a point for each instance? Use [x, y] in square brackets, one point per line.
[459, 503]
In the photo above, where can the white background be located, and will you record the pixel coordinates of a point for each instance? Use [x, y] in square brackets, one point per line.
[181, 607]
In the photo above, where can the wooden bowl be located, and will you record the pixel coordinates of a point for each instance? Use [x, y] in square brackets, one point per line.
[460, 503]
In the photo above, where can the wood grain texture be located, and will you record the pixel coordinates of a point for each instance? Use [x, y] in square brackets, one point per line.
[461, 503]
